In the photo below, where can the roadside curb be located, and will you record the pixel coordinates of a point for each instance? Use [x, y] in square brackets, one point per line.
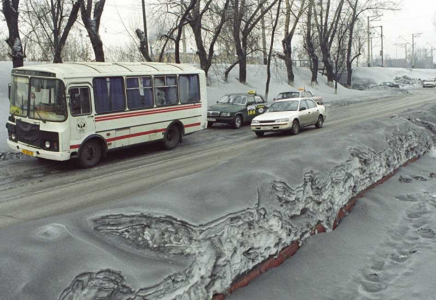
[276, 260]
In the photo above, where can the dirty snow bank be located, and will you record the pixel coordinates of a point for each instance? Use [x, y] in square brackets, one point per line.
[364, 78]
[242, 212]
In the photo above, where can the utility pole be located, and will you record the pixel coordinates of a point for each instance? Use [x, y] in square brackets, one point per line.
[183, 30]
[369, 43]
[144, 19]
[381, 52]
[431, 51]
[413, 47]
[405, 47]
[374, 18]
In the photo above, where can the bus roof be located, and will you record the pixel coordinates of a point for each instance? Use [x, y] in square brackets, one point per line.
[92, 69]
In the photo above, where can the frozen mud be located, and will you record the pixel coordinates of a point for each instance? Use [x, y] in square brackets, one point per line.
[180, 242]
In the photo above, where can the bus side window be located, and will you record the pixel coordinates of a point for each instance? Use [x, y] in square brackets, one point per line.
[109, 94]
[189, 89]
[139, 92]
[165, 90]
[80, 101]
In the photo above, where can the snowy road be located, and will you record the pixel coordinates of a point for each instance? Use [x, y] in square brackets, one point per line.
[32, 189]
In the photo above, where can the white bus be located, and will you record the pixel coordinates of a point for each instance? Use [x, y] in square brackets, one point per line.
[82, 110]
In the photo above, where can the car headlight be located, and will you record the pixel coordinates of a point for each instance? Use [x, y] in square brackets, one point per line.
[282, 120]
[225, 114]
[255, 122]
[47, 144]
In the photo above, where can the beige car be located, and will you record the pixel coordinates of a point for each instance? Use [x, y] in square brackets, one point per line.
[289, 115]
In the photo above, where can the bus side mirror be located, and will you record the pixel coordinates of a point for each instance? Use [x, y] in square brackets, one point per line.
[9, 91]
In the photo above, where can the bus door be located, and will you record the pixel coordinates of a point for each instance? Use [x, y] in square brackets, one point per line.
[82, 122]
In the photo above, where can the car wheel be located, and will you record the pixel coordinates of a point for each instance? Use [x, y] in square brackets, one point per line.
[237, 123]
[209, 124]
[295, 129]
[320, 122]
[171, 138]
[90, 154]
[259, 133]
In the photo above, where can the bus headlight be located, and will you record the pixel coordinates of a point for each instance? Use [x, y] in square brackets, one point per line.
[13, 136]
[47, 144]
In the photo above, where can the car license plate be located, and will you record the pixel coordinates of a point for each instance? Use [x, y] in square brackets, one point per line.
[267, 128]
[27, 152]
[211, 119]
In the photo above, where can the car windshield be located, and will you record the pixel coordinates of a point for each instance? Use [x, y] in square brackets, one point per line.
[288, 95]
[19, 99]
[47, 100]
[234, 99]
[284, 106]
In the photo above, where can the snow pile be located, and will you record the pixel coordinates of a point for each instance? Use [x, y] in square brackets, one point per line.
[383, 250]
[284, 214]
[246, 211]
[364, 78]
[408, 82]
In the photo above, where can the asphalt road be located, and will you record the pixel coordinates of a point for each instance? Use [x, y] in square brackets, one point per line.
[32, 189]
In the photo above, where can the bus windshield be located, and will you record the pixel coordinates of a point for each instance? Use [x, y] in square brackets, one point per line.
[19, 96]
[47, 100]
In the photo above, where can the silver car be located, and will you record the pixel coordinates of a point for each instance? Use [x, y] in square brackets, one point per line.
[289, 115]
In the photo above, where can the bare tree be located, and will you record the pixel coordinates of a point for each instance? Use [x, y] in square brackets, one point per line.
[92, 25]
[358, 7]
[271, 46]
[327, 26]
[246, 15]
[206, 56]
[54, 19]
[310, 47]
[289, 34]
[10, 11]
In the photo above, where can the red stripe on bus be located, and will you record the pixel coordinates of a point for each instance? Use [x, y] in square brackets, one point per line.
[143, 113]
[138, 134]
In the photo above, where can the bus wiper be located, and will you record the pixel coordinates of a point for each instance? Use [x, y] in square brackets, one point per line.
[36, 110]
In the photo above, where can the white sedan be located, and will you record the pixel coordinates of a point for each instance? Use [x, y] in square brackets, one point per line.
[289, 115]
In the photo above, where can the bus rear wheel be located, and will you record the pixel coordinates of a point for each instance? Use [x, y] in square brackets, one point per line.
[90, 154]
[171, 138]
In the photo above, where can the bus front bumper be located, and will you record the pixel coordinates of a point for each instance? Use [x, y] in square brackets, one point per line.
[36, 152]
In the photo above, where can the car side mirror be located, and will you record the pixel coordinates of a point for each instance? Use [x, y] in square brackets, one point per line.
[9, 91]
[217, 102]
[303, 108]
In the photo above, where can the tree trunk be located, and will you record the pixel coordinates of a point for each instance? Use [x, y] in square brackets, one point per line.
[311, 49]
[289, 65]
[10, 11]
[92, 26]
[327, 63]
[60, 40]
[268, 78]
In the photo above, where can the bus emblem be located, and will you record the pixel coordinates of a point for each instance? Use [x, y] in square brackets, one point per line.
[81, 125]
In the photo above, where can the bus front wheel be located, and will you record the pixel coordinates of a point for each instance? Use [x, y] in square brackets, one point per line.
[90, 154]
[171, 138]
